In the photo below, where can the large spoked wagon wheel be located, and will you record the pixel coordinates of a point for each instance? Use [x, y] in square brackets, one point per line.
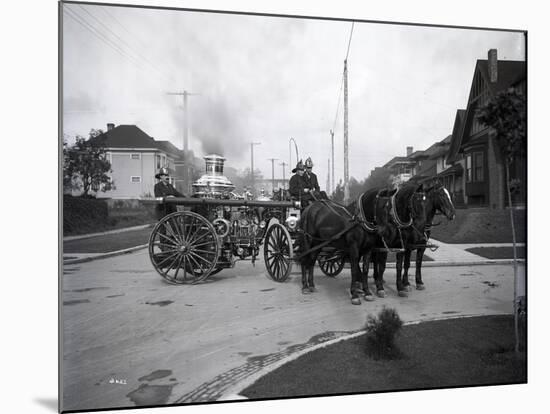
[331, 263]
[183, 248]
[278, 252]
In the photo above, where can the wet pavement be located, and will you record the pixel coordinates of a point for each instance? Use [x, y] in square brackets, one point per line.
[131, 339]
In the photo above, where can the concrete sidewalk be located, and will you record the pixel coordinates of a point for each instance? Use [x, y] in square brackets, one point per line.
[445, 254]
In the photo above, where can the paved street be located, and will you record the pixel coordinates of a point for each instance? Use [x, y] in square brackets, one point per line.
[130, 338]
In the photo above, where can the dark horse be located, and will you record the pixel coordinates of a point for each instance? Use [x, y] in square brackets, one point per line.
[326, 223]
[437, 200]
[407, 228]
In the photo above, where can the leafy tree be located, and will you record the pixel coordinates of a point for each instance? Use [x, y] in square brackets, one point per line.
[85, 165]
[338, 194]
[506, 114]
[378, 178]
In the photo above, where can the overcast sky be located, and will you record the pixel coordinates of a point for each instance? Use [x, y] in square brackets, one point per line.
[266, 79]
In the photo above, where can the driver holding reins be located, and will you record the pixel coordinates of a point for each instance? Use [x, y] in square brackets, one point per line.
[298, 187]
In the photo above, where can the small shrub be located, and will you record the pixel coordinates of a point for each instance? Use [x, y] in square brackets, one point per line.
[381, 332]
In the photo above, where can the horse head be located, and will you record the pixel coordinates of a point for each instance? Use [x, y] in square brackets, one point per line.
[441, 199]
[409, 205]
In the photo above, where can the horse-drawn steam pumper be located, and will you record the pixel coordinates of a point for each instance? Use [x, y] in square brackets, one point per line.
[215, 227]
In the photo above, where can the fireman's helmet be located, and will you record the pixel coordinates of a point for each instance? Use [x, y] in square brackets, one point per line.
[299, 166]
[309, 163]
[162, 171]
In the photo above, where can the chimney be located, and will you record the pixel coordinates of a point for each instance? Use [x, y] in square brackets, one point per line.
[409, 151]
[493, 65]
[110, 126]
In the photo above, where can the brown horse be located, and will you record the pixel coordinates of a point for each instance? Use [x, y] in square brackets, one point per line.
[325, 223]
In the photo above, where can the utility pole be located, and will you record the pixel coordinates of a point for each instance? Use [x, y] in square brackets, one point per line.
[284, 179]
[273, 172]
[252, 165]
[290, 151]
[332, 177]
[328, 175]
[187, 159]
[346, 163]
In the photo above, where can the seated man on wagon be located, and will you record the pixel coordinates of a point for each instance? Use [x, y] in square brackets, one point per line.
[164, 189]
[298, 187]
[312, 182]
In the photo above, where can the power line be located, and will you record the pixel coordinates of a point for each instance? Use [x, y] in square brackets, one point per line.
[84, 23]
[134, 37]
[349, 42]
[137, 53]
[105, 39]
[342, 81]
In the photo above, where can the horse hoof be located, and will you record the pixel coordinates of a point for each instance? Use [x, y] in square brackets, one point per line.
[420, 286]
[408, 288]
[356, 301]
[403, 294]
[381, 293]
[305, 291]
[312, 289]
[368, 298]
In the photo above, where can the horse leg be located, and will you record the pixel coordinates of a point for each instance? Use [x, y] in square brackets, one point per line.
[311, 285]
[365, 277]
[355, 288]
[305, 270]
[406, 266]
[379, 268]
[418, 272]
[401, 291]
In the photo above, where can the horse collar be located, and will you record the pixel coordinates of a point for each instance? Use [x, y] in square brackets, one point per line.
[393, 212]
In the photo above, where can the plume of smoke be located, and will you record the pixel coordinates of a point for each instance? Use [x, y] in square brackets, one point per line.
[218, 126]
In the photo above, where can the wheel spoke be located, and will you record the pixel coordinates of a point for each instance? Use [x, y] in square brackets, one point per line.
[172, 232]
[198, 256]
[192, 230]
[172, 241]
[276, 268]
[197, 264]
[165, 259]
[166, 250]
[272, 243]
[176, 223]
[178, 267]
[172, 264]
[202, 236]
[284, 265]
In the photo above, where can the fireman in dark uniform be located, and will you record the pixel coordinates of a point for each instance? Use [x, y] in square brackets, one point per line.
[298, 187]
[310, 177]
[164, 189]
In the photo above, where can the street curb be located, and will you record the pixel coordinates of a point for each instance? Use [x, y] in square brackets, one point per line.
[105, 233]
[233, 392]
[388, 265]
[102, 255]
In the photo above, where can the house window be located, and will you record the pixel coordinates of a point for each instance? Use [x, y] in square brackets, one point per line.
[136, 156]
[158, 161]
[135, 179]
[478, 166]
[469, 168]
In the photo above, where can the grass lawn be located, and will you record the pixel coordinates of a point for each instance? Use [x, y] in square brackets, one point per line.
[481, 225]
[438, 354]
[498, 252]
[108, 243]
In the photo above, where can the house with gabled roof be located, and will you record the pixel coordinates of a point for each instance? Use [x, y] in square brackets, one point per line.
[135, 158]
[473, 144]
[402, 168]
